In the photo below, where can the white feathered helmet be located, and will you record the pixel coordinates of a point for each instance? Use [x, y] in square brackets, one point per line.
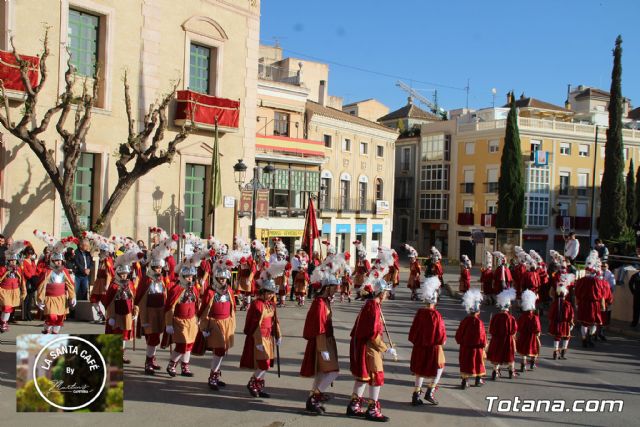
[224, 265]
[259, 249]
[592, 263]
[471, 300]
[536, 256]
[57, 246]
[267, 276]
[15, 249]
[504, 298]
[566, 279]
[435, 254]
[488, 260]
[556, 257]
[361, 251]
[123, 263]
[530, 262]
[466, 262]
[429, 289]
[194, 241]
[500, 257]
[162, 251]
[412, 252]
[331, 250]
[241, 244]
[528, 300]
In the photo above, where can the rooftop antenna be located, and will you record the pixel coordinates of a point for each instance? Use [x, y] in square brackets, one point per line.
[466, 88]
[493, 94]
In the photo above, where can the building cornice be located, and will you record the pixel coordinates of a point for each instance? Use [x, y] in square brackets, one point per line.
[321, 120]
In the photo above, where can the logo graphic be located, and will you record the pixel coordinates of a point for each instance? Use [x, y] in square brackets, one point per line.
[85, 371]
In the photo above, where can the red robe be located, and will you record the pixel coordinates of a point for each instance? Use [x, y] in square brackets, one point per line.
[126, 306]
[414, 275]
[252, 322]
[502, 347]
[543, 292]
[589, 296]
[472, 339]
[170, 262]
[465, 280]
[486, 278]
[368, 327]
[317, 323]
[560, 318]
[362, 269]
[528, 341]
[497, 279]
[529, 280]
[438, 270]
[428, 335]
[518, 273]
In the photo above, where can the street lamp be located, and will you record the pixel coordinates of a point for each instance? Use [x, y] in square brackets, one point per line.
[157, 196]
[254, 185]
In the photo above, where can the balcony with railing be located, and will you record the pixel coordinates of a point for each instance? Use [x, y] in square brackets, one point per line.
[488, 220]
[10, 74]
[273, 73]
[466, 188]
[573, 222]
[466, 218]
[204, 110]
[491, 187]
[574, 191]
[348, 205]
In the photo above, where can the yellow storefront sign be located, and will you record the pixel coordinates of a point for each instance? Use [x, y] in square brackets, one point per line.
[267, 234]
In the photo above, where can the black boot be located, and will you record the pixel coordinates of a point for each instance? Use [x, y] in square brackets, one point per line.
[253, 387]
[374, 412]
[171, 368]
[494, 374]
[415, 399]
[555, 354]
[563, 354]
[522, 367]
[261, 392]
[464, 384]
[213, 381]
[590, 341]
[532, 364]
[479, 382]
[512, 374]
[430, 395]
[356, 407]
[313, 404]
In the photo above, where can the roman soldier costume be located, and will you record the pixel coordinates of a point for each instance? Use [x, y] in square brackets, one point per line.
[528, 340]
[502, 278]
[503, 328]
[282, 280]
[56, 291]
[561, 316]
[428, 335]
[415, 271]
[321, 354]
[262, 330]
[434, 266]
[472, 339]
[301, 282]
[346, 284]
[246, 273]
[106, 271]
[363, 266]
[519, 270]
[486, 277]
[217, 316]
[543, 291]
[529, 279]
[465, 275]
[367, 347]
[590, 299]
[393, 276]
[13, 288]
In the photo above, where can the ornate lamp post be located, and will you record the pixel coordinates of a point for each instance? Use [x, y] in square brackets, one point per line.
[240, 170]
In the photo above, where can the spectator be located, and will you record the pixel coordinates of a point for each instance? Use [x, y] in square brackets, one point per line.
[634, 287]
[3, 249]
[30, 271]
[295, 267]
[571, 248]
[69, 263]
[603, 252]
[83, 262]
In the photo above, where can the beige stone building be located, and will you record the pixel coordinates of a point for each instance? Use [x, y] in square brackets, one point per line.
[211, 46]
[370, 109]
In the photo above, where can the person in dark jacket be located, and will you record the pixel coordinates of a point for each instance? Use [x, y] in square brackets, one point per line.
[634, 287]
[3, 249]
[83, 262]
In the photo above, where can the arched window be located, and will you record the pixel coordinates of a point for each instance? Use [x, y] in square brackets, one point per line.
[363, 181]
[379, 189]
[345, 191]
[325, 190]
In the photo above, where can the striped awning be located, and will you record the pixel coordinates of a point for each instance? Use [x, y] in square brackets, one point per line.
[295, 146]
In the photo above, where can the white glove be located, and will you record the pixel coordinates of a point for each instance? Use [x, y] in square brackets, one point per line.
[134, 317]
[260, 347]
[206, 333]
[40, 306]
[279, 341]
[325, 355]
[112, 322]
[146, 325]
[169, 329]
[73, 302]
[391, 352]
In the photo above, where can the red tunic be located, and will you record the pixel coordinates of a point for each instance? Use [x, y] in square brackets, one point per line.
[438, 270]
[170, 262]
[486, 278]
[465, 280]
[528, 341]
[414, 275]
[529, 280]
[368, 327]
[589, 296]
[503, 328]
[316, 323]
[518, 272]
[497, 279]
[428, 335]
[472, 339]
[362, 269]
[545, 283]
[560, 318]
[252, 322]
[29, 269]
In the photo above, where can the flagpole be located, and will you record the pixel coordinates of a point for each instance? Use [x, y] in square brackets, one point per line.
[215, 175]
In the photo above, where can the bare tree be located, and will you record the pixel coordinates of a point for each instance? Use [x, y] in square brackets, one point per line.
[136, 157]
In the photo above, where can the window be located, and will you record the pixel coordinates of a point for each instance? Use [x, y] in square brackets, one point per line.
[280, 124]
[327, 141]
[565, 148]
[468, 206]
[364, 148]
[537, 196]
[379, 189]
[494, 146]
[470, 148]
[492, 207]
[537, 211]
[434, 177]
[583, 184]
[380, 151]
[583, 150]
[344, 194]
[82, 192]
[405, 162]
[434, 206]
[362, 195]
[564, 183]
[492, 181]
[467, 181]
[194, 199]
[625, 153]
[536, 145]
[346, 144]
[435, 147]
[199, 68]
[325, 193]
[563, 209]
[581, 209]
[83, 41]
[538, 180]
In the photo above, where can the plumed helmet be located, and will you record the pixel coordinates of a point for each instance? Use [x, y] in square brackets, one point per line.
[412, 252]
[157, 262]
[592, 263]
[528, 300]
[504, 298]
[488, 260]
[331, 250]
[187, 270]
[466, 262]
[57, 256]
[222, 273]
[361, 251]
[123, 269]
[471, 300]
[435, 254]
[429, 289]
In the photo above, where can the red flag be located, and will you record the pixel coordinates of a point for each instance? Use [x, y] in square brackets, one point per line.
[311, 232]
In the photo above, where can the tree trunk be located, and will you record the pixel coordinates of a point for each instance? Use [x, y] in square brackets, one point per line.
[110, 208]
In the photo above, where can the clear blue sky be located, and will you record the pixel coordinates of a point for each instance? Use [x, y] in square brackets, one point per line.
[533, 47]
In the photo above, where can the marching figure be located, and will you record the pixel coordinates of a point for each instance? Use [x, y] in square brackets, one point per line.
[367, 348]
[519, 270]
[119, 300]
[246, 273]
[262, 330]
[486, 277]
[503, 328]
[56, 292]
[543, 292]
[363, 266]
[415, 271]
[393, 276]
[472, 339]
[301, 282]
[502, 275]
[151, 297]
[465, 274]
[282, 280]
[528, 341]
[218, 316]
[434, 266]
[561, 316]
[180, 316]
[105, 274]
[590, 299]
[529, 279]
[321, 354]
[428, 335]
[346, 284]
[13, 287]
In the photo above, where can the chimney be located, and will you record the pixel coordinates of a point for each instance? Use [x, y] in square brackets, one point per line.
[410, 100]
[322, 93]
[509, 95]
[567, 104]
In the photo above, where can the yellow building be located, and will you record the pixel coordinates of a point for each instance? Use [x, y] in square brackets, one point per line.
[210, 46]
[370, 109]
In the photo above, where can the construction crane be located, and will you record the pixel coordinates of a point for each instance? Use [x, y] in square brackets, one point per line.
[433, 106]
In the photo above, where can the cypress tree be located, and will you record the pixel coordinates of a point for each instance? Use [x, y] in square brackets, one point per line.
[638, 194]
[511, 182]
[612, 217]
[631, 196]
